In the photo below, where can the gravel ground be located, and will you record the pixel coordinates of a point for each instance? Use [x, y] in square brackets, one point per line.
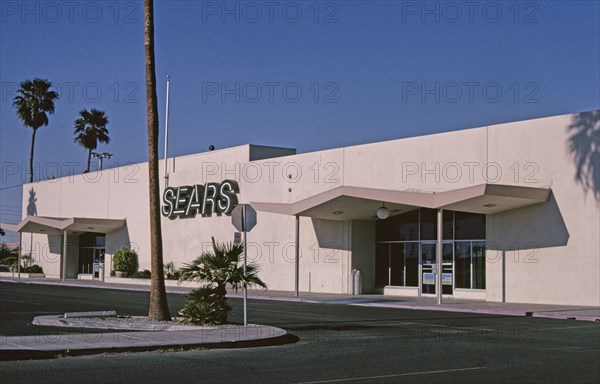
[138, 323]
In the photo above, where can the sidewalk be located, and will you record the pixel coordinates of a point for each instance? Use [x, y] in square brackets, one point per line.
[182, 337]
[415, 303]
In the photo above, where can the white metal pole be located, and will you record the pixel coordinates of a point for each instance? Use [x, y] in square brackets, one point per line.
[167, 133]
[245, 264]
[297, 258]
[503, 253]
[19, 255]
[438, 275]
[64, 266]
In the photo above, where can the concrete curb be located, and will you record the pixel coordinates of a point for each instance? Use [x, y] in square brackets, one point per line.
[71, 344]
[485, 311]
[564, 316]
[488, 311]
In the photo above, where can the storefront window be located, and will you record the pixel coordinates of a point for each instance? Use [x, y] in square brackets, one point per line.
[401, 238]
[90, 239]
[409, 226]
[382, 262]
[399, 228]
[448, 225]
[479, 265]
[411, 251]
[428, 224]
[462, 264]
[397, 264]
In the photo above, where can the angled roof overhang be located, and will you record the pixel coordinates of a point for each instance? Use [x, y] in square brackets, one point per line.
[358, 203]
[57, 225]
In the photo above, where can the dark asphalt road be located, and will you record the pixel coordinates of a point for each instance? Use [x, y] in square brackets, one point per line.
[338, 343]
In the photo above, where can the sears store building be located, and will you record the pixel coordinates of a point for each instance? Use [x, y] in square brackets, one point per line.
[504, 213]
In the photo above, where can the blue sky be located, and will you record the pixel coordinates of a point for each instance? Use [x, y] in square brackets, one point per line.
[305, 74]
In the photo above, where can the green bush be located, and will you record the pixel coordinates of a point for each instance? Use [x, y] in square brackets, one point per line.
[33, 269]
[125, 260]
[204, 306]
[6, 252]
[10, 261]
[145, 274]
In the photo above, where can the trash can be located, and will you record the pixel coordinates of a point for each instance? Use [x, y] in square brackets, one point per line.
[356, 282]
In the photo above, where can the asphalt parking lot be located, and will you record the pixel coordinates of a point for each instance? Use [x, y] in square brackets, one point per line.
[336, 343]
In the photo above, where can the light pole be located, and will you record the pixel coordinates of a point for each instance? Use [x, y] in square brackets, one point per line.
[102, 156]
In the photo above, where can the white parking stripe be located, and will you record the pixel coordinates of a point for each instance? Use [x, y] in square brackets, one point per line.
[392, 376]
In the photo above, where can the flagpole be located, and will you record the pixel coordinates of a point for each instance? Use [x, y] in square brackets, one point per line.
[167, 133]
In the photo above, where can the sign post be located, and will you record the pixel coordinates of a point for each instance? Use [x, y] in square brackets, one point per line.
[243, 218]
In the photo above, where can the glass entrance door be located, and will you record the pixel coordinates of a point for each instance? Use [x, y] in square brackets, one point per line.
[447, 268]
[98, 262]
[86, 260]
[428, 265]
[90, 261]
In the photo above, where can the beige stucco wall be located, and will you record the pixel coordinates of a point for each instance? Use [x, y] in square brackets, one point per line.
[551, 250]
[562, 235]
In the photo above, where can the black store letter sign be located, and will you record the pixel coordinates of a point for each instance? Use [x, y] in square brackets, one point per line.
[192, 200]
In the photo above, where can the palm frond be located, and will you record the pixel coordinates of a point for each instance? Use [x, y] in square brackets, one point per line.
[222, 266]
[34, 101]
[90, 128]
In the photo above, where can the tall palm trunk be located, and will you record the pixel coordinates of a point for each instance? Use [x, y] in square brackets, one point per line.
[31, 156]
[89, 159]
[159, 309]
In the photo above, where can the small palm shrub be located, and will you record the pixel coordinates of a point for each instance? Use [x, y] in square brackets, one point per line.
[218, 268]
[125, 260]
[170, 272]
[204, 306]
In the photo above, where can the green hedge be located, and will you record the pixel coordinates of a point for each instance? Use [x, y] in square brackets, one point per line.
[125, 260]
[33, 269]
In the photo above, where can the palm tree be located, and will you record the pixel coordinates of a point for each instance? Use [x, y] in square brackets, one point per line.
[220, 267]
[584, 145]
[34, 102]
[158, 308]
[90, 128]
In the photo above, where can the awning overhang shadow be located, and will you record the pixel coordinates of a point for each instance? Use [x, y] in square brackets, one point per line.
[58, 225]
[359, 203]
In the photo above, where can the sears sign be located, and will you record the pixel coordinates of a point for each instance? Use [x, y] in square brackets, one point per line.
[192, 200]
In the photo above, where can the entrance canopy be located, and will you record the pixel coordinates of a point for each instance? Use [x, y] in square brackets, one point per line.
[358, 203]
[58, 225]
